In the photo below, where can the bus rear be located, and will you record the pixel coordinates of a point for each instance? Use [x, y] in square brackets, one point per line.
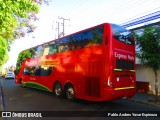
[121, 79]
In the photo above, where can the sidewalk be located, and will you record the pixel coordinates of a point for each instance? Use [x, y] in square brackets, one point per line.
[145, 98]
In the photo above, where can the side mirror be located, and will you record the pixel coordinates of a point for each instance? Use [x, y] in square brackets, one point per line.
[16, 72]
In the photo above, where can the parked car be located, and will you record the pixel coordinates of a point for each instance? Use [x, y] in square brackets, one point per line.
[9, 75]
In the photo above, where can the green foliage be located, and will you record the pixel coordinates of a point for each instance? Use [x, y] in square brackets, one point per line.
[149, 44]
[11, 12]
[15, 15]
[23, 56]
[3, 51]
[149, 55]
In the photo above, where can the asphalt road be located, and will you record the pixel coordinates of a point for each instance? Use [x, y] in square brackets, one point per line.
[15, 98]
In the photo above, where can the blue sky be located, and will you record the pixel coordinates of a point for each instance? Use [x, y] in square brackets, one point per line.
[82, 14]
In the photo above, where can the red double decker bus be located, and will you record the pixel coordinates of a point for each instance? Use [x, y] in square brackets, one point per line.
[96, 64]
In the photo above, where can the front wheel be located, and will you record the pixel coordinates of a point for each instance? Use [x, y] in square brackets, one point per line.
[70, 93]
[21, 82]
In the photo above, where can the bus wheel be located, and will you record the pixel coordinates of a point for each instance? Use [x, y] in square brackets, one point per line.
[21, 82]
[58, 90]
[70, 93]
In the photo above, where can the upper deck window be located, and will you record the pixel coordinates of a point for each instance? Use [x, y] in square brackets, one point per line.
[87, 38]
[122, 35]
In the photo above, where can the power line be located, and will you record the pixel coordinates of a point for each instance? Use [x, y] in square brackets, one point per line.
[72, 7]
[123, 7]
[140, 15]
[143, 19]
[105, 12]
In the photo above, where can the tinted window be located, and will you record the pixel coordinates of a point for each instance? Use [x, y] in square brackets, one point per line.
[40, 50]
[38, 71]
[123, 64]
[34, 52]
[45, 71]
[52, 48]
[122, 35]
[88, 38]
[26, 71]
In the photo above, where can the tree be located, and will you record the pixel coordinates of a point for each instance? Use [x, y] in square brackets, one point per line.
[23, 56]
[149, 55]
[3, 51]
[13, 14]
[15, 17]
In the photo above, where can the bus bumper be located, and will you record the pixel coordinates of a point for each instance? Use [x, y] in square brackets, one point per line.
[113, 94]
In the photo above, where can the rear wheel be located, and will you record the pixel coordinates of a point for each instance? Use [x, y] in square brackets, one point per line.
[70, 93]
[58, 90]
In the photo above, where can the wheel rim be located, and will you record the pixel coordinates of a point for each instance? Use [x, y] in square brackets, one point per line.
[70, 93]
[58, 90]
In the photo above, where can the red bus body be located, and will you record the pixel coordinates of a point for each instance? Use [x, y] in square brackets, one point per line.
[97, 72]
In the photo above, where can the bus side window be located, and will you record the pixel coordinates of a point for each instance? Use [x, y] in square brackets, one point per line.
[38, 70]
[32, 71]
[52, 49]
[34, 52]
[46, 50]
[63, 47]
[40, 50]
[26, 71]
[71, 46]
[46, 71]
[71, 43]
[59, 48]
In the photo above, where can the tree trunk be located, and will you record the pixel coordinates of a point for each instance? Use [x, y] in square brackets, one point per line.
[156, 85]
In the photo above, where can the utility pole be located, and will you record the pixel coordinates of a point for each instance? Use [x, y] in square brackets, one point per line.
[63, 24]
[57, 28]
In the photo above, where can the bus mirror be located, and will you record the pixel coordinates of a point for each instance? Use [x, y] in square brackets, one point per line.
[15, 72]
